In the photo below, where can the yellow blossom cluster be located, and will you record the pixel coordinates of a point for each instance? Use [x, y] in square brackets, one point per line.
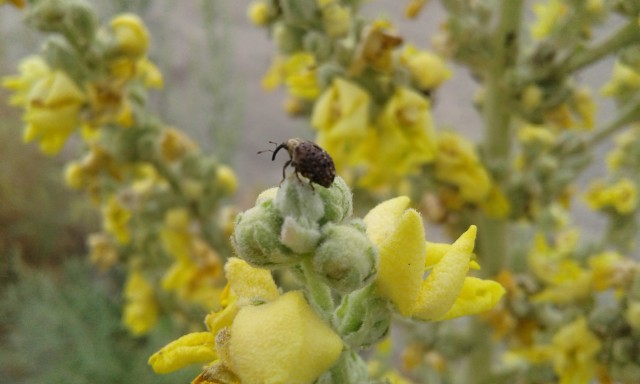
[622, 196]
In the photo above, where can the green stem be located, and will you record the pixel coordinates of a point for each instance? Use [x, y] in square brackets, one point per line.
[623, 37]
[497, 121]
[628, 114]
[318, 293]
[497, 154]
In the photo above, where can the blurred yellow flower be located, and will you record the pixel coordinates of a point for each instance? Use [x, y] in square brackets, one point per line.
[404, 140]
[624, 80]
[336, 18]
[103, 253]
[341, 117]
[140, 308]
[131, 35]
[427, 69]
[621, 196]
[297, 72]
[574, 349]
[446, 292]
[604, 267]
[258, 13]
[52, 103]
[115, 220]
[457, 163]
[548, 16]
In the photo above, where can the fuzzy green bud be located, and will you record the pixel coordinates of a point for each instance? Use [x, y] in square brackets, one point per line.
[298, 200]
[350, 369]
[326, 72]
[298, 12]
[338, 201]
[298, 238]
[318, 44]
[345, 259]
[59, 54]
[287, 38]
[256, 237]
[73, 18]
[363, 317]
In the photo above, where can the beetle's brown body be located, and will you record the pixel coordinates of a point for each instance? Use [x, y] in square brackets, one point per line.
[309, 160]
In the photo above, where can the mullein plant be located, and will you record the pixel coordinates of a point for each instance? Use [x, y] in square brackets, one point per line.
[345, 278]
[163, 205]
[570, 313]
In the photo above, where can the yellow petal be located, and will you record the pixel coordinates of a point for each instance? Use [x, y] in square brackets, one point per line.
[250, 283]
[441, 288]
[476, 296]
[384, 217]
[401, 262]
[192, 348]
[283, 341]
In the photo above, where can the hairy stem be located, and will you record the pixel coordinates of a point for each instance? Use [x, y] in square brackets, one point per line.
[497, 153]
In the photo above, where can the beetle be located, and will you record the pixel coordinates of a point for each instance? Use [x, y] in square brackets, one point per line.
[308, 159]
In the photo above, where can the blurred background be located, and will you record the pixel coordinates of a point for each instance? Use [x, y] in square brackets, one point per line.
[57, 314]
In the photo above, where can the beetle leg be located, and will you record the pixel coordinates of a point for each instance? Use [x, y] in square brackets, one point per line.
[283, 169]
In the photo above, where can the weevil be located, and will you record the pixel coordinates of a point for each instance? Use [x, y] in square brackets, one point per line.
[308, 159]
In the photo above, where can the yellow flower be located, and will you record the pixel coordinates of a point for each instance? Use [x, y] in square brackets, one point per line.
[457, 163]
[115, 220]
[549, 16]
[413, 9]
[174, 144]
[341, 116]
[605, 268]
[131, 35]
[375, 48]
[140, 309]
[336, 18]
[197, 347]
[297, 72]
[624, 80]
[269, 341]
[428, 69]
[404, 141]
[52, 103]
[258, 12]
[258, 337]
[585, 107]
[574, 349]
[530, 133]
[621, 196]
[446, 292]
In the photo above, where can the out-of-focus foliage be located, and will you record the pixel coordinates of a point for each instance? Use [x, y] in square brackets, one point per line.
[65, 327]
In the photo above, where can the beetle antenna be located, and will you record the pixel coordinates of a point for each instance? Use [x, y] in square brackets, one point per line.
[268, 150]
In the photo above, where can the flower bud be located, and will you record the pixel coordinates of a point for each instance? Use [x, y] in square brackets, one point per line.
[226, 179]
[287, 38]
[345, 259]
[337, 199]
[298, 11]
[132, 38]
[259, 13]
[58, 53]
[318, 44]
[298, 238]
[298, 200]
[363, 318]
[257, 237]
